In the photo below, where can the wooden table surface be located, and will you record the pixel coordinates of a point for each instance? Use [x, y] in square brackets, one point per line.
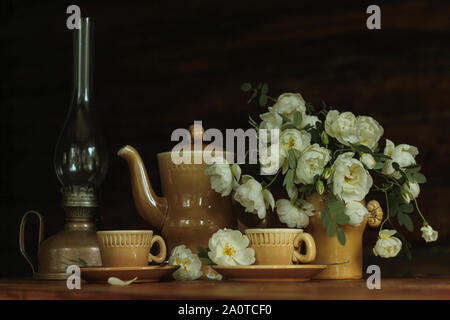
[398, 288]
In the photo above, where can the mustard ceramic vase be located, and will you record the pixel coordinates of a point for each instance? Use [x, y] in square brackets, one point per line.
[344, 262]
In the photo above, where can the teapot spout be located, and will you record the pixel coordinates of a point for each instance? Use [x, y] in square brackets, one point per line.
[152, 208]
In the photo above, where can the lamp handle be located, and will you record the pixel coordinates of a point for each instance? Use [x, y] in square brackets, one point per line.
[22, 235]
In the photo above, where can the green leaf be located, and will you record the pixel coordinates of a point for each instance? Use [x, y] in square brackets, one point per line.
[265, 89]
[404, 219]
[407, 207]
[335, 206]
[325, 221]
[418, 177]
[404, 176]
[263, 100]
[413, 168]
[378, 165]
[408, 253]
[296, 152]
[246, 87]
[288, 181]
[396, 166]
[395, 200]
[316, 178]
[203, 255]
[292, 159]
[341, 236]
[285, 118]
[406, 245]
[381, 156]
[342, 219]
[297, 118]
[307, 190]
[202, 252]
[363, 149]
[207, 261]
[288, 125]
[331, 228]
[319, 125]
[310, 108]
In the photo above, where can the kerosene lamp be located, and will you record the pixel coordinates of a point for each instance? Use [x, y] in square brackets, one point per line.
[81, 163]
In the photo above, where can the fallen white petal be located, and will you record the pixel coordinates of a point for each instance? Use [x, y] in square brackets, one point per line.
[117, 282]
[214, 276]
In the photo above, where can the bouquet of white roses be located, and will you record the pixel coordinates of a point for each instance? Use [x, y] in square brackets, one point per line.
[339, 157]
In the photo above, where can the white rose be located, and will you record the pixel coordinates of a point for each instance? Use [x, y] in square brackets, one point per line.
[291, 215]
[368, 160]
[309, 120]
[413, 190]
[295, 139]
[230, 247]
[369, 131]
[223, 176]
[251, 195]
[342, 126]
[355, 211]
[288, 103]
[429, 234]
[190, 264]
[403, 154]
[270, 159]
[312, 162]
[386, 245]
[270, 120]
[350, 180]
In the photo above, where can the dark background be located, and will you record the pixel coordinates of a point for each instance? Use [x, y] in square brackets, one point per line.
[161, 64]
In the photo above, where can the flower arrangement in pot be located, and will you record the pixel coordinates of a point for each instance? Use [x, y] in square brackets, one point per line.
[328, 161]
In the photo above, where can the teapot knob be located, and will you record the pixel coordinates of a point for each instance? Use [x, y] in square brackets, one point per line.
[197, 132]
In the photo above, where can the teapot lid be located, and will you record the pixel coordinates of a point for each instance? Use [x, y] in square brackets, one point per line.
[197, 133]
[194, 142]
[195, 139]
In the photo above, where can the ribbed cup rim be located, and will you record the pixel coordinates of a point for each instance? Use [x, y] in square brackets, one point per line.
[195, 151]
[267, 230]
[123, 231]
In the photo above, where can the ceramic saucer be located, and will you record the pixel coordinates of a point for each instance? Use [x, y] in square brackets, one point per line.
[144, 274]
[270, 273]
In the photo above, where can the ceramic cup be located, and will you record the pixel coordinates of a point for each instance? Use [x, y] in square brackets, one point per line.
[281, 246]
[129, 248]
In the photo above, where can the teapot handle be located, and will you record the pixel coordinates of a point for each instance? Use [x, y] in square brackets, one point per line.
[22, 235]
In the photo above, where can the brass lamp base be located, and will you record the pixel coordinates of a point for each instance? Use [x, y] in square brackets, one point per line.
[76, 244]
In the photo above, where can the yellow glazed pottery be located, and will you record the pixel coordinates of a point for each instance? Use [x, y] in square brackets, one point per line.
[344, 262]
[190, 211]
[129, 248]
[281, 246]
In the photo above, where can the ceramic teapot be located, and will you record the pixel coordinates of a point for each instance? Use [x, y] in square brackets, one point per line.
[190, 211]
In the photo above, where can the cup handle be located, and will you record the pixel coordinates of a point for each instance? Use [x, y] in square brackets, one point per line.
[310, 254]
[22, 235]
[162, 250]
